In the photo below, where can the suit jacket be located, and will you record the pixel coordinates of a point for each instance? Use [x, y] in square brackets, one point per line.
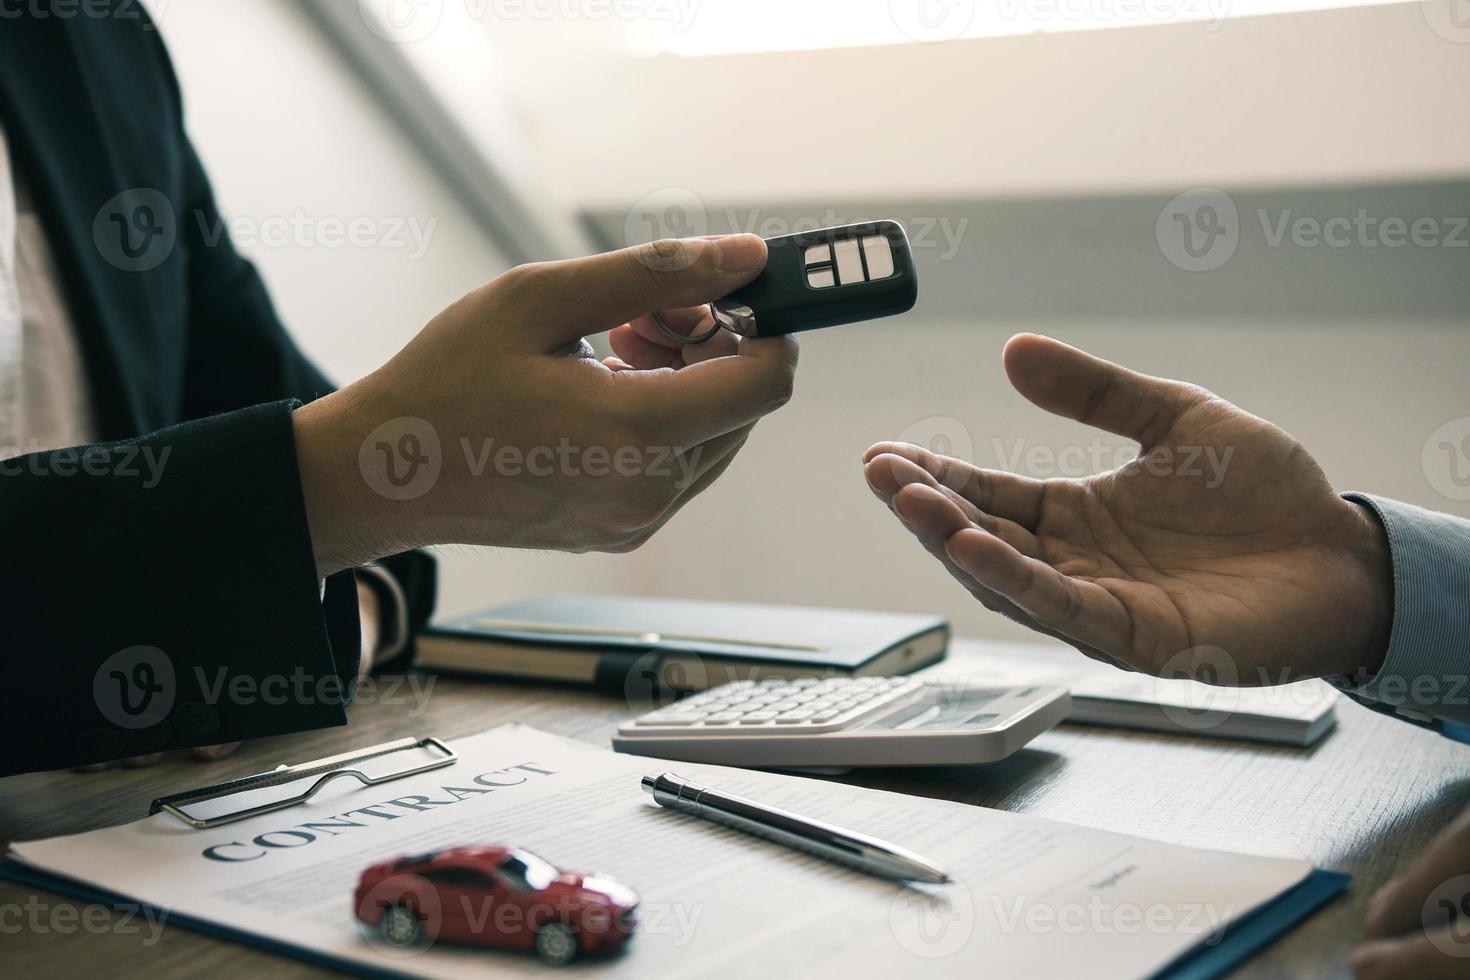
[158, 590]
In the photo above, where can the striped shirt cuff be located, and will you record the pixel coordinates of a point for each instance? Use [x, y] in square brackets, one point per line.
[1425, 676]
[395, 631]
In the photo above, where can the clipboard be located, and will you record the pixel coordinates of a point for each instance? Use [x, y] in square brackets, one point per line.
[346, 764]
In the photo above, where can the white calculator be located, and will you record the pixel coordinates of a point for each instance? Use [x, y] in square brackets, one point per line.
[843, 723]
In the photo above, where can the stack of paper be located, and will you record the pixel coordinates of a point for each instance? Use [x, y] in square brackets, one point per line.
[1298, 713]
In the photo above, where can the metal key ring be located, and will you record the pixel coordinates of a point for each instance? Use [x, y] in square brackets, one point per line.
[685, 338]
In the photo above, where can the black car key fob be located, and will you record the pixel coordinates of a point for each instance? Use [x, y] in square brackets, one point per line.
[821, 278]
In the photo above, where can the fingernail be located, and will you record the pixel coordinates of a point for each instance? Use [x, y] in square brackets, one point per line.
[739, 253]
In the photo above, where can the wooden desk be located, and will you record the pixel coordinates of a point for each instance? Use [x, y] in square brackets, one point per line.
[1365, 800]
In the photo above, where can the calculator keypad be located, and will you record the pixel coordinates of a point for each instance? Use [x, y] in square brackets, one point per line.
[788, 707]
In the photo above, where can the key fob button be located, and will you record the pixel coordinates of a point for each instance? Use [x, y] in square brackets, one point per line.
[879, 256]
[820, 278]
[849, 262]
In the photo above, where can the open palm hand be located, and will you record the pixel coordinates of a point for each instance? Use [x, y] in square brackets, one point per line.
[1220, 547]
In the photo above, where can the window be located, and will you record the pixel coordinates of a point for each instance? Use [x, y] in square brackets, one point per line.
[526, 872]
[716, 27]
[461, 878]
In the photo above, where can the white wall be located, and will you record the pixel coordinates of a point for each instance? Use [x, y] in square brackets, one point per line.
[285, 130]
[1360, 351]
[1335, 96]
[282, 125]
[794, 521]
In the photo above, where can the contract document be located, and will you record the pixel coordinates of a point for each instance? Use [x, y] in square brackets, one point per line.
[1030, 898]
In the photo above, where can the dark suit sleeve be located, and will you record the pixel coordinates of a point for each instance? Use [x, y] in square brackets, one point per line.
[161, 592]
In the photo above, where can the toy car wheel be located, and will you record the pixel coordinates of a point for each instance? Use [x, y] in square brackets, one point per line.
[556, 944]
[400, 925]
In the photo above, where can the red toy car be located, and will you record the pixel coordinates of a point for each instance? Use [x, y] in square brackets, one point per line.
[495, 896]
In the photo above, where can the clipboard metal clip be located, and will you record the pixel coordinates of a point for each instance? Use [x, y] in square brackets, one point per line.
[329, 769]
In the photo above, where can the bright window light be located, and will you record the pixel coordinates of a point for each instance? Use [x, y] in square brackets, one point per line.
[711, 27]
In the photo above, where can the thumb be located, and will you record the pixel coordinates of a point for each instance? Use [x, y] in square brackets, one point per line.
[594, 294]
[1073, 384]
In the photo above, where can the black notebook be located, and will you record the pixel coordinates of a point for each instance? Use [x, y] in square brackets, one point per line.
[678, 644]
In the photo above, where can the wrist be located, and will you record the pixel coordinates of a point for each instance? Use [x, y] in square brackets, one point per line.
[349, 523]
[1369, 607]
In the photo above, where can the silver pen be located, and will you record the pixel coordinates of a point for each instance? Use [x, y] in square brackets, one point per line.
[784, 827]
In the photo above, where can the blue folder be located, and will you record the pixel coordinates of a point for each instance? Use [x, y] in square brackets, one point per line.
[1241, 940]
[1248, 935]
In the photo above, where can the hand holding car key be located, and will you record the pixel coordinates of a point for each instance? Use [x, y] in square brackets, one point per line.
[821, 278]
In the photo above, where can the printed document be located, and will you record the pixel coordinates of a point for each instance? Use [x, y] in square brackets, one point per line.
[1031, 897]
